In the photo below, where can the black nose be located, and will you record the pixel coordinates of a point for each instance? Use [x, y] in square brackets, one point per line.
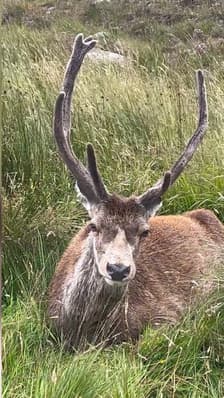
[118, 271]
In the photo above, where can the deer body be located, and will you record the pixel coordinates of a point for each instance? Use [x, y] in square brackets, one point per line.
[126, 268]
[175, 265]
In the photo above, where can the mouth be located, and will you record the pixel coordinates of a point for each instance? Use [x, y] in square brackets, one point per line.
[110, 282]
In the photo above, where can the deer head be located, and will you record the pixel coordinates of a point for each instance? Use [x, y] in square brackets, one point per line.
[118, 224]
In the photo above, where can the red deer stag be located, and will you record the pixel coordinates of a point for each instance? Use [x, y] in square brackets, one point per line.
[125, 268]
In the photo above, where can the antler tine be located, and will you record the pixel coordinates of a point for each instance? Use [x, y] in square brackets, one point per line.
[80, 48]
[62, 119]
[92, 167]
[170, 176]
[199, 132]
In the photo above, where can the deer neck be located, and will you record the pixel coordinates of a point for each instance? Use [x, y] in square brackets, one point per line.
[89, 302]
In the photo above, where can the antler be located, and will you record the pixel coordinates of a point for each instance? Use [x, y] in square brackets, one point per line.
[89, 181]
[157, 191]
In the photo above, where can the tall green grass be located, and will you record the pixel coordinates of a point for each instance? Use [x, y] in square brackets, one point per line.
[138, 118]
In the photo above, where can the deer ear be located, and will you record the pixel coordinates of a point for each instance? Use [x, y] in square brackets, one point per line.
[90, 207]
[152, 207]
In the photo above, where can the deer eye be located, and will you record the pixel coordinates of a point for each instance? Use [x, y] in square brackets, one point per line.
[145, 233]
[93, 227]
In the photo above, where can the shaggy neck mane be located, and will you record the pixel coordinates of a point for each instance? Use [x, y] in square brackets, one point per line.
[91, 307]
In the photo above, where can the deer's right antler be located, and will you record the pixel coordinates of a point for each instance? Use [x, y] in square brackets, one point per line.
[89, 180]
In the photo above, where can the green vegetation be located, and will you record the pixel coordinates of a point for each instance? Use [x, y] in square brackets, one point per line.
[138, 117]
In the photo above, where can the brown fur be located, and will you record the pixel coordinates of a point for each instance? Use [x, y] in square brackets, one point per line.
[174, 263]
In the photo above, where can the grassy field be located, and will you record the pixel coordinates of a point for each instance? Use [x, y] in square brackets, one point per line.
[138, 119]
